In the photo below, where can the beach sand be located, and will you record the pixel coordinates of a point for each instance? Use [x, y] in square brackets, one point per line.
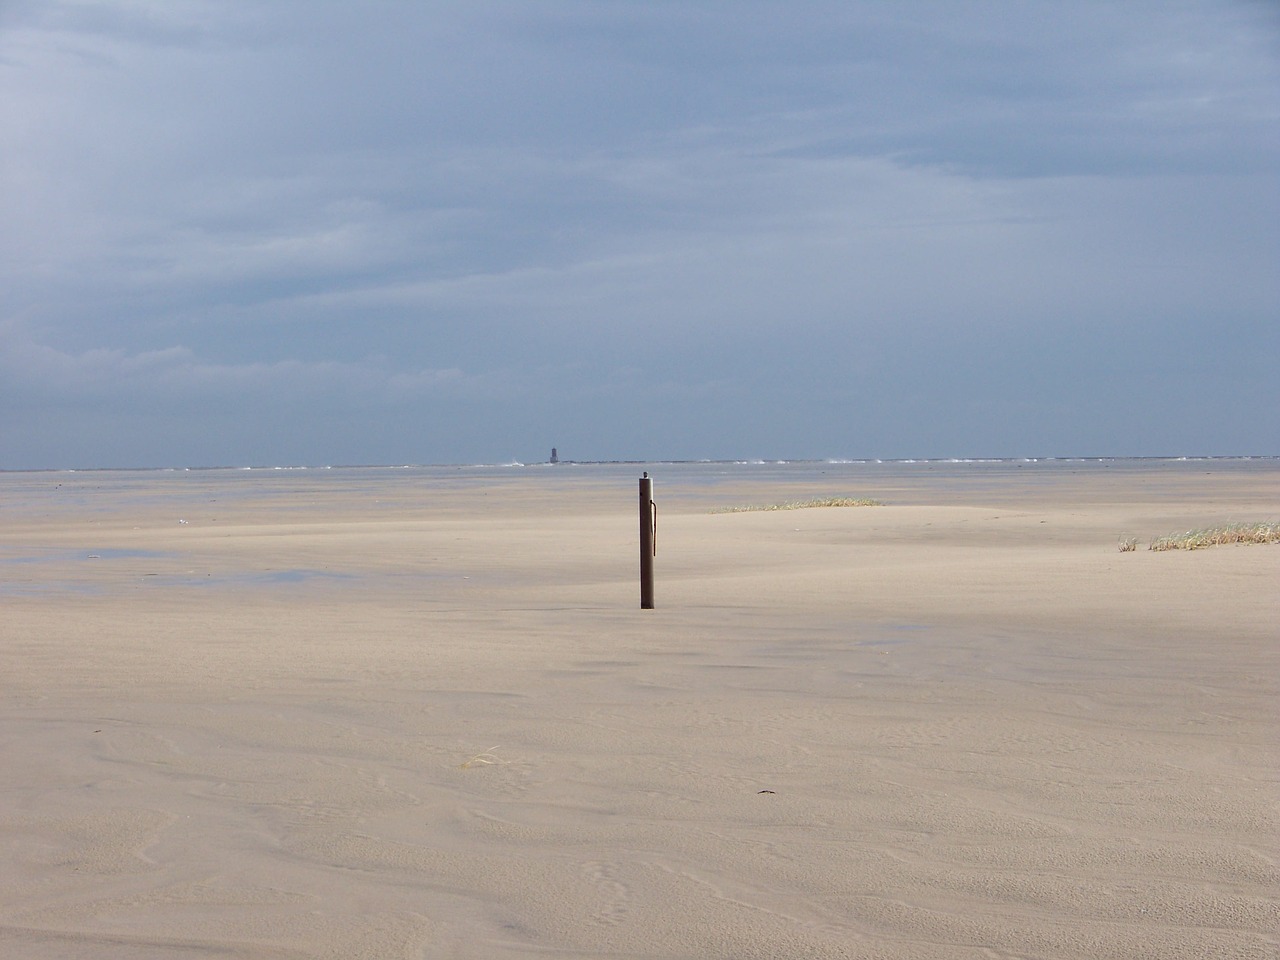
[348, 715]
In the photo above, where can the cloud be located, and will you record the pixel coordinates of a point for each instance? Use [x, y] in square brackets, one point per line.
[494, 214]
[38, 372]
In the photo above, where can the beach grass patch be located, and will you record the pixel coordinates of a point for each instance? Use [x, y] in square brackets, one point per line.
[802, 505]
[1214, 536]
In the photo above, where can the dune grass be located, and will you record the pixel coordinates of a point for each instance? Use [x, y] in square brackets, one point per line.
[1213, 536]
[802, 505]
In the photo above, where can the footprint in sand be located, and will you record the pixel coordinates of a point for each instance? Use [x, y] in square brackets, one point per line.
[604, 877]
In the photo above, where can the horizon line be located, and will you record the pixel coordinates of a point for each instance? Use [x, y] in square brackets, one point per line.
[742, 461]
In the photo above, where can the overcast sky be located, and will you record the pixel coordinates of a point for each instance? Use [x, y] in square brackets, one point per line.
[309, 232]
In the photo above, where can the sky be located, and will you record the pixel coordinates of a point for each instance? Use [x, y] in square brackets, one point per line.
[276, 232]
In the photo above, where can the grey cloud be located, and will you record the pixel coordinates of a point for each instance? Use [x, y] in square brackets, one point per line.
[754, 210]
[177, 374]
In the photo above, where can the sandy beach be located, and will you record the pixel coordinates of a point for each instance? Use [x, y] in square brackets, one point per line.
[398, 714]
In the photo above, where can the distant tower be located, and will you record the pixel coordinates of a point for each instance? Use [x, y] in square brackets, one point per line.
[555, 458]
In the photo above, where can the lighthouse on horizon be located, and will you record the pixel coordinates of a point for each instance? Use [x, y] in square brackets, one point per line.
[555, 457]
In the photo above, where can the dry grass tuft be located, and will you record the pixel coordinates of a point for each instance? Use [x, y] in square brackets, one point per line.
[1213, 536]
[483, 759]
[803, 505]
[1128, 544]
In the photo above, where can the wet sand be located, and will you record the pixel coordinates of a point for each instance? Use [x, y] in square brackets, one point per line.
[357, 715]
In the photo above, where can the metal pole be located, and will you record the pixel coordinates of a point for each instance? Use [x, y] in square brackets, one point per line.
[648, 541]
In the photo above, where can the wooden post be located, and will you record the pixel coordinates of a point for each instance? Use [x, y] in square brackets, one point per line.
[648, 541]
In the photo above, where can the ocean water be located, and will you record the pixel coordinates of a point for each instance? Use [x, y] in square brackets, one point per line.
[695, 467]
